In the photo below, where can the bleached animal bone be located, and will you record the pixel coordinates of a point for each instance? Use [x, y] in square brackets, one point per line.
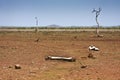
[70, 59]
[93, 48]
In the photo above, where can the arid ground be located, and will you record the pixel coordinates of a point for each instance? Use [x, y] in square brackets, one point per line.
[29, 49]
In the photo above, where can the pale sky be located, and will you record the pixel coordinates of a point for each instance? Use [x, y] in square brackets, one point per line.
[59, 12]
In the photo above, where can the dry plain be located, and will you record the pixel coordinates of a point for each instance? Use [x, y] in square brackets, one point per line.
[29, 50]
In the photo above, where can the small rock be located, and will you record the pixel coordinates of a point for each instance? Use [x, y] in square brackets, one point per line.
[9, 66]
[37, 40]
[17, 66]
[83, 66]
[91, 56]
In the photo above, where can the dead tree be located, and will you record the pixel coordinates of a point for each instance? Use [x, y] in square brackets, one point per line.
[36, 29]
[97, 13]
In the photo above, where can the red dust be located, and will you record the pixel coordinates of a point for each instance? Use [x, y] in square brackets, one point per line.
[21, 48]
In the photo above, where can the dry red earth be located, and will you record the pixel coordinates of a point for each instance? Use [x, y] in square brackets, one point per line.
[23, 49]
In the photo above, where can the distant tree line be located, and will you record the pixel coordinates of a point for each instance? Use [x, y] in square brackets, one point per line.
[65, 27]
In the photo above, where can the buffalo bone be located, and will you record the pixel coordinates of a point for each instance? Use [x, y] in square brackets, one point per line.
[70, 59]
[93, 48]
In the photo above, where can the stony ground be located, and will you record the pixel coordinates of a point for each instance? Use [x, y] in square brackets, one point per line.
[28, 49]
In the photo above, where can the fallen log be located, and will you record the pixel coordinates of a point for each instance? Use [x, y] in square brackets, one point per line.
[69, 59]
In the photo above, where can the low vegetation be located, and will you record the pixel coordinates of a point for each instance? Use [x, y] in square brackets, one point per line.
[29, 49]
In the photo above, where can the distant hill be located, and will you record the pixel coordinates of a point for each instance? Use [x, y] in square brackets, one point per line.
[54, 25]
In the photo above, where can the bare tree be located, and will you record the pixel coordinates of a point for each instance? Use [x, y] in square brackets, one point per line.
[36, 30]
[97, 13]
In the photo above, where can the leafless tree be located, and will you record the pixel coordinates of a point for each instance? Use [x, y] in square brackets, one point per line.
[36, 29]
[97, 13]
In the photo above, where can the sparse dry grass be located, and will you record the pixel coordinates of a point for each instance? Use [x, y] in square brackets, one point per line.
[21, 48]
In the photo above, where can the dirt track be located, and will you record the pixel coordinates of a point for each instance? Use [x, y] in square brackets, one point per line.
[29, 50]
